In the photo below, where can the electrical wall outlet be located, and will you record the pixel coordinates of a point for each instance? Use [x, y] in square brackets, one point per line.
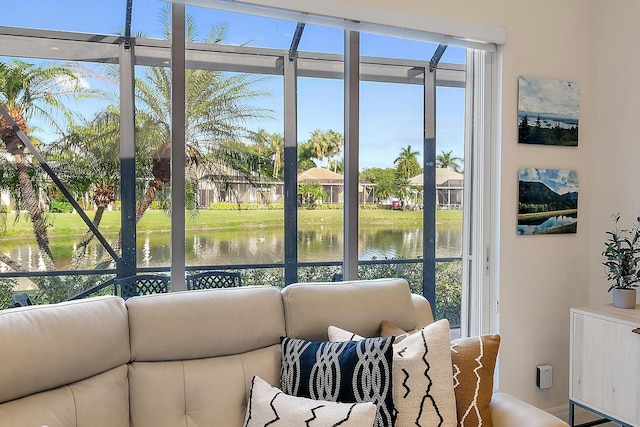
[544, 376]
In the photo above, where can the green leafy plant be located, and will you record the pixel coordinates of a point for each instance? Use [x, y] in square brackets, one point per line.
[7, 285]
[622, 256]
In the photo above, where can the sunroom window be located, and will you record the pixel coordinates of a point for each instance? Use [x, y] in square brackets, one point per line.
[315, 150]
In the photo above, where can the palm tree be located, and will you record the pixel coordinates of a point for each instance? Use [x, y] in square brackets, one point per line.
[90, 155]
[277, 146]
[216, 113]
[310, 193]
[447, 160]
[319, 143]
[406, 163]
[261, 143]
[28, 92]
[335, 142]
[305, 156]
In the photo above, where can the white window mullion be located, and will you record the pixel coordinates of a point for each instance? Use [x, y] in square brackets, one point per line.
[479, 299]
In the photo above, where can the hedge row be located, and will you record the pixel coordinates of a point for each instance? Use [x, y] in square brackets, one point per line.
[448, 283]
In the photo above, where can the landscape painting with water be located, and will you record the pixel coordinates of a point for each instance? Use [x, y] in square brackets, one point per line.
[548, 111]
[547, 201]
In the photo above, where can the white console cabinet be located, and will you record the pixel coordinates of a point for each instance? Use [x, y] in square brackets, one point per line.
[604, 376]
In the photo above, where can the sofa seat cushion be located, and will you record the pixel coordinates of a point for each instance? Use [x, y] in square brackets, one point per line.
[208, 392]
[99, 401]
[354, 371]
[269, 406]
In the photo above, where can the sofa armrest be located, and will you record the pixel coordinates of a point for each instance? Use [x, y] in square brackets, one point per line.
[508, 411]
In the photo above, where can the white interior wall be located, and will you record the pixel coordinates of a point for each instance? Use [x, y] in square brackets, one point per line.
[616, 149]
[541, 277]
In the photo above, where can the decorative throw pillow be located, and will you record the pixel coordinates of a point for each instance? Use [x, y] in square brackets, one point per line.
[388, 329]
[474, 361]
[422, 376]
[269, 406]
[351, 371]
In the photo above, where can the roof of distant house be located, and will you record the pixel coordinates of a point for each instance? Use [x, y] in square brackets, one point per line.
[320, 176]
[442, 175]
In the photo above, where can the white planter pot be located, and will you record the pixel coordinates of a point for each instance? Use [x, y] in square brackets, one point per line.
[624, 298]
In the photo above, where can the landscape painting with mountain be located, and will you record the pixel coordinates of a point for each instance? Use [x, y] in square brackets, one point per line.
[547, 201]
[548, 111]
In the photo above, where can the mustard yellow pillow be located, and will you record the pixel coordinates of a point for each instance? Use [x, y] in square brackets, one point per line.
[474, 361]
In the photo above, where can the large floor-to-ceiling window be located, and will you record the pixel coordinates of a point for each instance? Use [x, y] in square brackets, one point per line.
[314, 150]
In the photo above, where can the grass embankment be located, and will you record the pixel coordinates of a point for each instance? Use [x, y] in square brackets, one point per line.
[535, 215]
[155, 220]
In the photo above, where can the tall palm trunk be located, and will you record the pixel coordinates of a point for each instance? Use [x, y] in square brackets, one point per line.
[102, 197]
[30, 199]
[155, 185]
[11, 263]
[81, 248]
[31, 203]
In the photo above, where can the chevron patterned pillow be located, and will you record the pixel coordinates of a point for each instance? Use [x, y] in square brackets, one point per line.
[422, 376]
[269, 406]
[352, 371]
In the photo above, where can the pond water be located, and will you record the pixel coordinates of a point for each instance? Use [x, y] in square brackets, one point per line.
[546, 224]
[254, 246]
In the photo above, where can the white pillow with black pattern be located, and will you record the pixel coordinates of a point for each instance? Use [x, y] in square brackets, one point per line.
[423, 394]
[269, 406]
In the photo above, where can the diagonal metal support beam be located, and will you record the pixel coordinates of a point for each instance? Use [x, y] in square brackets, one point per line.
[295, 41]
[56, 180]
[437, 55]
[127, 24]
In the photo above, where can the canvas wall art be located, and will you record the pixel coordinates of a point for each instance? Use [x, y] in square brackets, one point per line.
[547, 201]
[548, 111]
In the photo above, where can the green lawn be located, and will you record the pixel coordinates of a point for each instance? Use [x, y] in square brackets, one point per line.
[72, 224]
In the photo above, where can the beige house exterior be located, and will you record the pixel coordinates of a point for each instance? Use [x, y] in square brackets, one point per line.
[449, 188]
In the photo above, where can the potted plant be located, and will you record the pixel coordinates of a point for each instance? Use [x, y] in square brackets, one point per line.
[622, 263]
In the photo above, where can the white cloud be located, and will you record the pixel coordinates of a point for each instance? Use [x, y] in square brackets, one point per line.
[66, 84]
[545, 96]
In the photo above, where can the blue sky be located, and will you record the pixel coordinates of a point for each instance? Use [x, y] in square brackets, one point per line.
[561, 181]
[548, 97]
[391, 115]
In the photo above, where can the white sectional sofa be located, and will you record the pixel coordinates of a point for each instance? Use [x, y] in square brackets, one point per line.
[186, 359]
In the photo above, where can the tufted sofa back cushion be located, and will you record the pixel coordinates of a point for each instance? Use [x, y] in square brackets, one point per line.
[65, 364]
[194, 354]
[357, 306]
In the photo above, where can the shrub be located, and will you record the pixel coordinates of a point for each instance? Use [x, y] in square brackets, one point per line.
[60, 207]
[226, 206]
[54, 289]
[448, 283]
[7, 285]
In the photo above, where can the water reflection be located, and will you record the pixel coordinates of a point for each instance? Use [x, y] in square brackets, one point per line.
[255, 246]
[546, 224]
